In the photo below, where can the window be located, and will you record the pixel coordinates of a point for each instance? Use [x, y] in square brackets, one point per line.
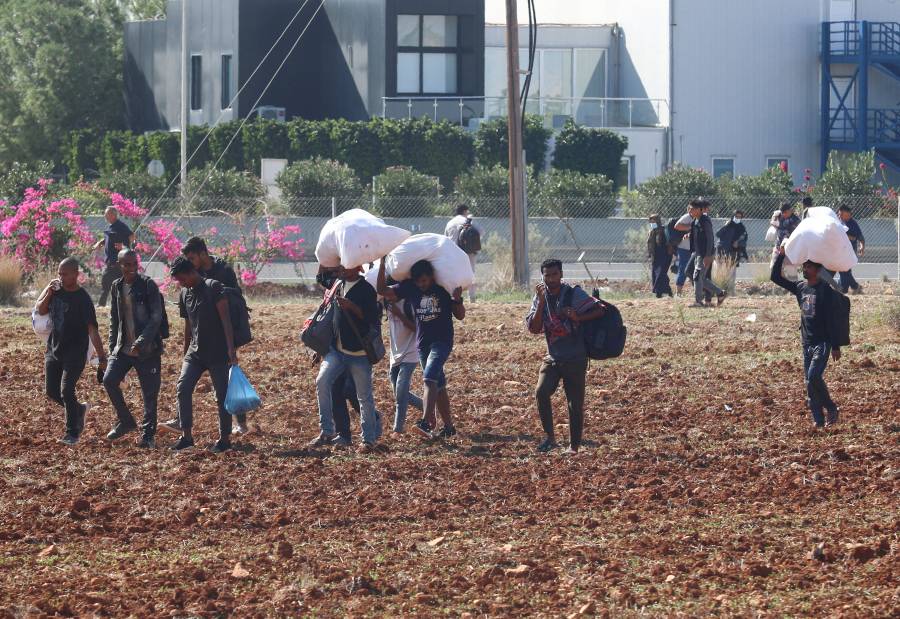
[226, 82]
[427, 55]
[771, 162]
[723, 166]
[196, 82]
[626, 172]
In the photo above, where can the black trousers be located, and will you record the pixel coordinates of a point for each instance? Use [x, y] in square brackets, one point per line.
[573, 376]
[149, 378]
[111, 273]
[192, 369]
[662, 259]
[60, 379]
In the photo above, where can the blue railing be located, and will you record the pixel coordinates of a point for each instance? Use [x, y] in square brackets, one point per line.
[885, 38]
[884, 127]
[845, 38]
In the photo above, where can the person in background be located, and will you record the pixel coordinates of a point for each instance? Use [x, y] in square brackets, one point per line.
[467, 237]
[660, 253]
[682, 249]
[557, 310]
[814, 297]
[732, 245]
[785, 222]
[208, 347]
[74, 324]
[434, 310]
[136, 315]
[116, 237]
[213, 267]
[358, 303]
[404, 359]
[703, 250]
[858, 241]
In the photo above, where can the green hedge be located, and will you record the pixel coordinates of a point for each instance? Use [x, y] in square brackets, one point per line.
[492, 142]
[589, 151]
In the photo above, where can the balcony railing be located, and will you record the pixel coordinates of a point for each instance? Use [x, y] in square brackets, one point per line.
[883, 126]
[588, 111]
[845, 38]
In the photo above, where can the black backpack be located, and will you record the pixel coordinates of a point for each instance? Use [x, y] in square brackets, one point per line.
[604, 337]
[469, 238]
[240, 314]
[673, 236]
[840, 319]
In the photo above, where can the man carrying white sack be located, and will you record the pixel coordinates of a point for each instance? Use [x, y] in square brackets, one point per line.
[467, 237]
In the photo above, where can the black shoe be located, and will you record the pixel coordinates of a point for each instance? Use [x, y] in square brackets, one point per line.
[446, 432]
[69, 439]
[183, 444]
[547, 446]
[342, 442]
[147, 442]
[119, 431]
[221, 446]
[424, 428]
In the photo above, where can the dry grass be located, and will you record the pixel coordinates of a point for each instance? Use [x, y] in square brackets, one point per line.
[723, 273]
[10, 280]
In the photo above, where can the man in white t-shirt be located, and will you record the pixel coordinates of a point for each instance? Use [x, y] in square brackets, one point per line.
[404, 359]
[683, 250]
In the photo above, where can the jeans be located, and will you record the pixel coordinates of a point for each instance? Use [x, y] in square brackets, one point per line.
[343, 391]
[433, 359]
[401, 377]
[815, 360]
[703, 286]
[572, 374]
[848, 282]
[60, 379]
[334, 365]
[191, 371]
[111, 273]
[683, 256]
[473, 258]
[149, 378]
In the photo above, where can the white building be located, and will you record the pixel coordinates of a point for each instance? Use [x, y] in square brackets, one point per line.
[731, 86]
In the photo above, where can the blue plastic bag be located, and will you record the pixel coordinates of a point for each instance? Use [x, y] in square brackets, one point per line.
[241, 397]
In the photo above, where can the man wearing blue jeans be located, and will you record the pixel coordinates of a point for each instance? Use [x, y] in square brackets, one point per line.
[434, 310]
[815, 298]
[404, 360]
[358, 303]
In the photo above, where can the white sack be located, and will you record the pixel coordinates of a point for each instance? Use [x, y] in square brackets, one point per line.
[452, 268]
[821, 237]
[356, 238]
[42, 325]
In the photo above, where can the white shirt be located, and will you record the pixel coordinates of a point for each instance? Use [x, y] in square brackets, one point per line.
[686, 220]
[403, 340]
[342, 291]
[454, 227]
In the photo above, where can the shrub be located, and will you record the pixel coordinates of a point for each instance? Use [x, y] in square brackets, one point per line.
[669, 193]
[486, 190]
[138, 186]
[308, 185]
[225, 189]
[17, 177]
[848, 178]
[81, 152]
[566, 193]
[589, 151]
[10, 280]
[756, 196]
[492, 142]
[403, 192]
[165, 147]
[892, 316]
[224, 143]
[499, 251]
[265, 139]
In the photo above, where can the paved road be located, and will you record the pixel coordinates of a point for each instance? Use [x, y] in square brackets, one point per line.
[286, 273]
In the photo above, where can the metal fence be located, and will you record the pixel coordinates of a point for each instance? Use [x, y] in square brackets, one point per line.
[596, 230]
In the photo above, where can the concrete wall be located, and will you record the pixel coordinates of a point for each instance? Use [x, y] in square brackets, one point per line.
[648, 147]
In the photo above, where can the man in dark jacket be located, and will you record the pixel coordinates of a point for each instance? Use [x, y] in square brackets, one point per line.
[116, 237]
[136, 315]
[358, 313]
[703, 249]
[733, 238]
[815, 299]
[858, 241]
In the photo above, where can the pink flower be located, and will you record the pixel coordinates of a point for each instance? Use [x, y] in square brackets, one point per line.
[806, 178]
[248, 278]
[881, 166]
[783, 166]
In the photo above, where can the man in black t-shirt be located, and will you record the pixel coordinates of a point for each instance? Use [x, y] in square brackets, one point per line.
[116, 237]
[74, 324]
[815, 299]
[213, 267]
[208, 347]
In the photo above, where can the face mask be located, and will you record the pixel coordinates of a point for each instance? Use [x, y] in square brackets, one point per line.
[653, 225]
[737, 220]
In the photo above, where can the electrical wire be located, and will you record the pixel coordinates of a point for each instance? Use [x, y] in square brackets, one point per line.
[247, 118]
[184, 164]
[532, 52]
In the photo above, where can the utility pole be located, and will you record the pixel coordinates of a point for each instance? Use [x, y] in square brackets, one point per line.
[185, 100]
[516, 149]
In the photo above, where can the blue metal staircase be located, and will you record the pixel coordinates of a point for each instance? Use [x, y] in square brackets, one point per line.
[848, 123]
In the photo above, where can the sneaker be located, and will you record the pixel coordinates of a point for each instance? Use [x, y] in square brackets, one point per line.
[366, 448]
[119, 431]
[547, 446]
[239, 429]
[183, 444]
[221, 446]
[720, 299]
[85, 408]
[69, 439]
[833, 417]
[323, 440]
[424, 428]
[172, 425]
[570, 451]
[341, 442]
[695, 304]
[446, 432]
[147, 442]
